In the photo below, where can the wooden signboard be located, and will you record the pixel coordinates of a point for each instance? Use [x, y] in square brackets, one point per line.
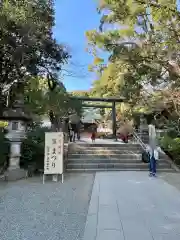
[53, 155]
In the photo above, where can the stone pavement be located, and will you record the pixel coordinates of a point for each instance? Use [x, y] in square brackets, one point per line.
[132, 206]
[100, 141]
[172, 178]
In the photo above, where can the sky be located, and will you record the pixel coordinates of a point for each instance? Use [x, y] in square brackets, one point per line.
[73, 18]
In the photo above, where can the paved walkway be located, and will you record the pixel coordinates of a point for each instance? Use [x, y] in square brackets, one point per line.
[132, 206]
[100, 141]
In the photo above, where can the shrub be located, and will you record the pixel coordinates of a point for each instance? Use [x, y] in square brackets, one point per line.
[171, 146]
[3, 124]
[32, 149]
[173, 127]
[4, 151]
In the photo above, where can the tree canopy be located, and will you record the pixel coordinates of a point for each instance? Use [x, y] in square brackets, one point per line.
[42, 102]
[31, 60]
[142, 41]
[27, 46]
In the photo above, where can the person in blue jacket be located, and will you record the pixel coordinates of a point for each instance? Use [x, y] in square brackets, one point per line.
[153, 158]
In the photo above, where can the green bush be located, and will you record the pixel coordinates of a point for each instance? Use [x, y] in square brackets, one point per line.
[32, 149]
[172, 146]
[4, 151]
[173, 127]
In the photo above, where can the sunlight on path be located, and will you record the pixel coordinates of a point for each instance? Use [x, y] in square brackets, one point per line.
[132, 206]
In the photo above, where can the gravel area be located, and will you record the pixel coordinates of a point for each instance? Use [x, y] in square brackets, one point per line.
[30, 210]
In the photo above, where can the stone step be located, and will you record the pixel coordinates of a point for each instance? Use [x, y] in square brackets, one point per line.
[98, 149]
[106, 160]
[113, 165]
[104, 146]
[122, 156]
[104, 156]
[105, 152]
[168, 170]
[115, 144]
[110, 157]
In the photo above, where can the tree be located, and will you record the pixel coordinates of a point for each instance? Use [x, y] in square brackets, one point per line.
[56, 104]
[80, 93]
[27, 46]
[143, 47]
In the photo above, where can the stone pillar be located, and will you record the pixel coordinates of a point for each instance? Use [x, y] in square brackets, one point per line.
[65, 130]
[15, 136]
[143, 130]
[114, 120]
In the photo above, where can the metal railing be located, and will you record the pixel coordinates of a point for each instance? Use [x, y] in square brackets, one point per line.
[138, 139]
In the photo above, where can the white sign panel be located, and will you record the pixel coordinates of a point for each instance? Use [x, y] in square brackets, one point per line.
[53, 157]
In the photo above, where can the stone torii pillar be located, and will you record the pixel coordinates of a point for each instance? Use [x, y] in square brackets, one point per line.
[114, 120]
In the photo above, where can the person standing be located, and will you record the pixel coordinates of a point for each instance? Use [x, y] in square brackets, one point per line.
[125, 130]
[153, 152]
[70, 132]
[152, 135]
[74, 130]
[79, 125]
[74, 118]
[153, 158]
[66, 129]
[93, 134]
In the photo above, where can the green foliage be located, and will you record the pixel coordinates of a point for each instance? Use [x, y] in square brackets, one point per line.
[27, 46]
[35, 100]
[80, 93]
[165, 142]
[3, 124]
[172, 146]
[171, 141]
[173, 128]
[140, 39]
[40, 100]
[32, 149]
[4, 151]
[74, 105]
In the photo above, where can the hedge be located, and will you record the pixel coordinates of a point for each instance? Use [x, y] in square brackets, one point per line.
[4, 151]
[32, 149]
[172, 147]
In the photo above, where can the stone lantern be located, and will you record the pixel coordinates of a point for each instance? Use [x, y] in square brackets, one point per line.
[16, 132]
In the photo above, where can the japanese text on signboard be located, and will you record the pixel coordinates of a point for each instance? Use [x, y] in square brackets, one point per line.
[54, 153]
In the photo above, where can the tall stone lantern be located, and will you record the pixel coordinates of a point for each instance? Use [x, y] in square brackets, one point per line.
[16, 132]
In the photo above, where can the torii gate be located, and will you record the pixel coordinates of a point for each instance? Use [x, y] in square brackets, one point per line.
[108, 100]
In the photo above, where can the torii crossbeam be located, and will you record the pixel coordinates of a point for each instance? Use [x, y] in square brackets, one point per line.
[112, 100]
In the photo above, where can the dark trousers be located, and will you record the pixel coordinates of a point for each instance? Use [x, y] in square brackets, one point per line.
[70, 138]
[78, 135]
[152, 165]
[74, 136]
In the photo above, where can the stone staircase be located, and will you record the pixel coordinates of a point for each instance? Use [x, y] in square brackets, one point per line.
[84, 157]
